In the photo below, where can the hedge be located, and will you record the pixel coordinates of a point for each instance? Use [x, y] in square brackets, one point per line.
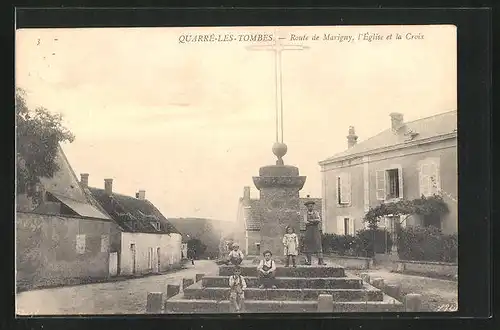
[427, 244]
[364, 244]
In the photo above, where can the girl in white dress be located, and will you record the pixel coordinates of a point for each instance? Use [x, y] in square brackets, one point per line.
[291, 243]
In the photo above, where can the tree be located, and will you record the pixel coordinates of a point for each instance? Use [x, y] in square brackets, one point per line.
[196, 246]
[39, 133]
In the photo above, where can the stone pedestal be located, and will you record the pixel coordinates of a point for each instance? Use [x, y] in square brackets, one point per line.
[279, 187]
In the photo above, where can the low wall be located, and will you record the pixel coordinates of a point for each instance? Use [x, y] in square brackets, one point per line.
[429, 268]
[350, 262]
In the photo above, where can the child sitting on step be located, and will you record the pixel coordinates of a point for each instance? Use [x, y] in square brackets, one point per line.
[237, 286]
[266, 271]
[235, 256]
[291, 243]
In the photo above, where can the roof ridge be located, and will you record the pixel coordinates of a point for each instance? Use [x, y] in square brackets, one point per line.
[435, 115]
[114, 193]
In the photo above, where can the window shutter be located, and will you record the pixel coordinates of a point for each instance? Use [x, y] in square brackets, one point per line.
[345, 188]
[400, 179]
[424, 179]
[380, 185]
[352, 230]
[340, 225]
[104, 243]
[337, 187]
[434, 180]
[80, 244]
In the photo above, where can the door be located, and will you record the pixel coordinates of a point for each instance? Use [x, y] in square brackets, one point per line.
[158, 268]
[150, 259]
[113, 264]
[133, 253]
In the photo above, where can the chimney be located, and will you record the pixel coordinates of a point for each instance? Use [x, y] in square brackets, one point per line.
[352, 138]
[84, 180]
[396, 121]
[141, 195]
[246, 193]
[108, 186]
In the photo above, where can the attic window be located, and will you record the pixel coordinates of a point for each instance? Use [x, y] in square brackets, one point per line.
[156, 224]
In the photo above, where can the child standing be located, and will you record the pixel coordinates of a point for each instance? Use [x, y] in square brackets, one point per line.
[235, 255]
[291, 243]
[237, 285]
[266, 270]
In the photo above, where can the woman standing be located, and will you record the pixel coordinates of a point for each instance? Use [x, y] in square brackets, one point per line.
[312, 238]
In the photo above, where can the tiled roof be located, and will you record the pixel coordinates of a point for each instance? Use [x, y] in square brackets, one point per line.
[253, 223]
[440, 124]
[132, 214]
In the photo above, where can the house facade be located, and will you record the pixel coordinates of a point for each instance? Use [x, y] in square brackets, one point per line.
[142, 239]
[247, 232]
[62, 233]
[405, 161]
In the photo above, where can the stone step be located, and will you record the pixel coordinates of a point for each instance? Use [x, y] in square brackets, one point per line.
[300, 271]
[292, 282]
[191, 306]
[221, 293]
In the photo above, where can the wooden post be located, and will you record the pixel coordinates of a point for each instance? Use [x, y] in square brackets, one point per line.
[153, 304]
[187, 282]
[378, 283]
[172, 290]
[393, 290]
[413, 302]
[365, 277]
[199, 277]
[325, 303]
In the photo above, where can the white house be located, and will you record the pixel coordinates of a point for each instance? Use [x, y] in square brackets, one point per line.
[143, 240]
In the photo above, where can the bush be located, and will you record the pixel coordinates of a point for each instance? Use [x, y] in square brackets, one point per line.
[340, 244]
[364, 244]
[371, 241]
[427, 244]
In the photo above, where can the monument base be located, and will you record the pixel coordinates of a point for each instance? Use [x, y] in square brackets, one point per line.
[279, 187]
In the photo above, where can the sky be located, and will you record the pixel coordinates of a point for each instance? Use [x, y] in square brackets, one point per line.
[191, 122]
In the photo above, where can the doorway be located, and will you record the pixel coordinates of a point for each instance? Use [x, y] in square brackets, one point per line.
[133, 253]
[158, 260]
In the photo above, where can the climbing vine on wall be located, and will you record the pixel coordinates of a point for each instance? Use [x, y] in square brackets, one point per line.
[423, 206]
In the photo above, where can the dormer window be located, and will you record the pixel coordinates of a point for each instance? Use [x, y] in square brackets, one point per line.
[156, 225]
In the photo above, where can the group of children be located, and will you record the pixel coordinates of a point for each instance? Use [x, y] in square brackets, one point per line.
[265, 270]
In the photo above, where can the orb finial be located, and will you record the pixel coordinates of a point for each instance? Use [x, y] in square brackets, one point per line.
[279, 150]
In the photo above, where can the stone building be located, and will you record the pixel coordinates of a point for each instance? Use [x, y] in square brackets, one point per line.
[405, 161]
[248, 222]
[62, 233]
[142, 239]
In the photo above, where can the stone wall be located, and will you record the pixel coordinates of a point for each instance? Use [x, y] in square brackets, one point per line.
[429, 268]
[351, 262]
[46, 250]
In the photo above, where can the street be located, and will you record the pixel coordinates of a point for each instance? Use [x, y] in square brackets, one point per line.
[123, 297]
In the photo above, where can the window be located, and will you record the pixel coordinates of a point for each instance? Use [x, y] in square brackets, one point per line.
[150, 258]
[389, 183]
[345, 225]
[343, 182]
[80, 244]
[429, 180]
[104, 243]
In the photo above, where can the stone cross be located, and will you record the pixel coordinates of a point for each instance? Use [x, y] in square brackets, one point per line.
[278, 47]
